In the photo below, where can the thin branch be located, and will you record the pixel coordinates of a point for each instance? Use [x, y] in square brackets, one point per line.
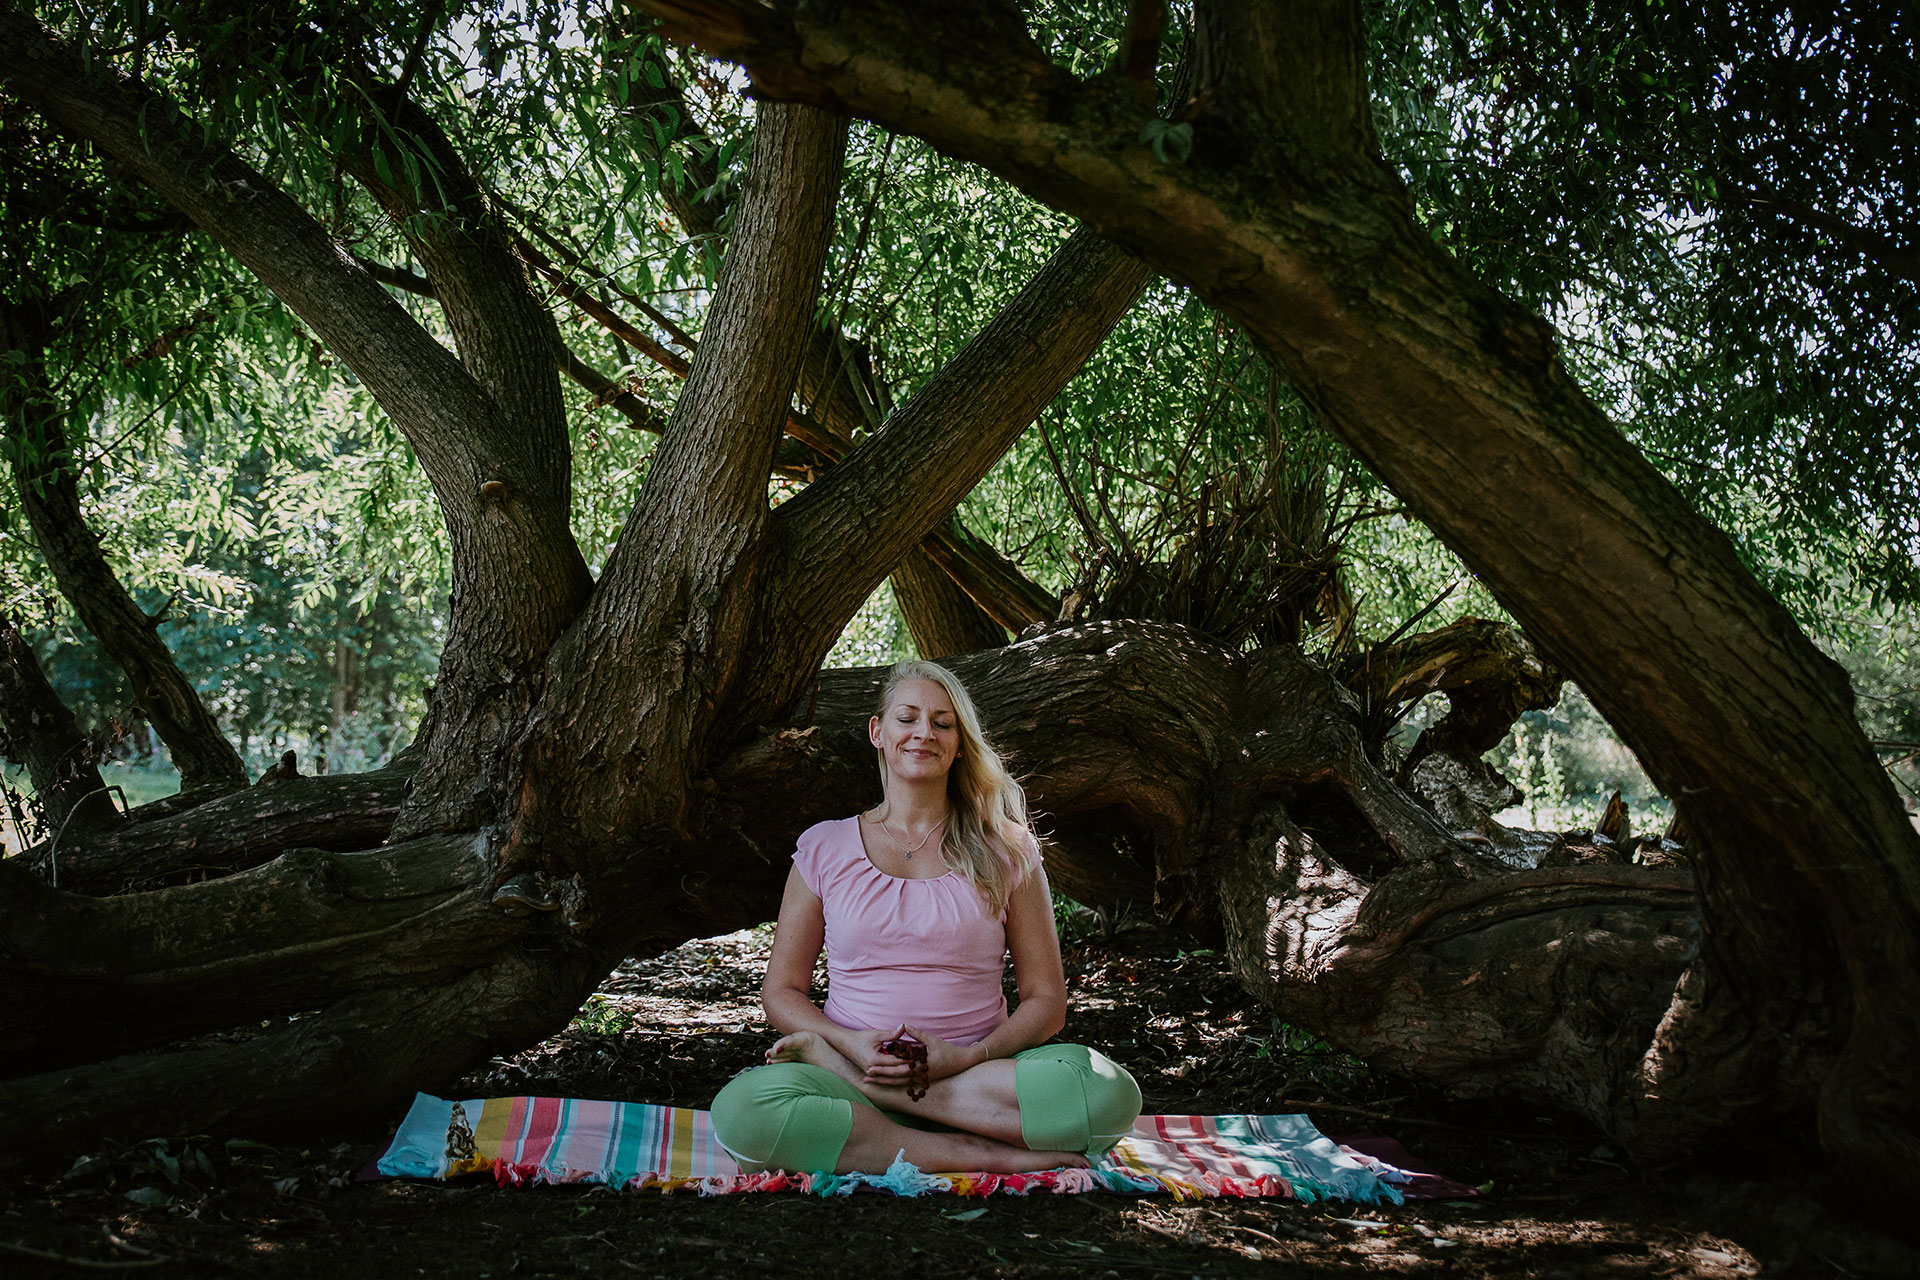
[428, 24]
[161, 346]
[1088, 524]
[1881, 248]
[398, 278]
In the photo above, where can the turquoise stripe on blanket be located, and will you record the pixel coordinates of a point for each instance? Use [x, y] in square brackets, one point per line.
[525, 1141]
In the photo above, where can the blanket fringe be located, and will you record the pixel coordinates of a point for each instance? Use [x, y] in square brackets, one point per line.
[903, 1178]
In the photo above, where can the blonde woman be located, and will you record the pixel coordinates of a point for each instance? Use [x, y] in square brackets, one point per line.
[918, 903]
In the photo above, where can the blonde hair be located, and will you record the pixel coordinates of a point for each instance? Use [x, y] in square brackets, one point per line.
[989, 839]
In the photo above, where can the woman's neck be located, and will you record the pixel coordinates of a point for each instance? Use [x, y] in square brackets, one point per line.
[914, 807]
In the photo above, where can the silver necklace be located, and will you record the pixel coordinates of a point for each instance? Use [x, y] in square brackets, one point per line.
[902, 844]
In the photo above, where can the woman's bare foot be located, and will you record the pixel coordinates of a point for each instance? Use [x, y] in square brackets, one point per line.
[811, 1047]
[876, 1140]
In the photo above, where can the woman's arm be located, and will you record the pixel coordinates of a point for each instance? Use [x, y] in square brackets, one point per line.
[801, 931]
[786, 995]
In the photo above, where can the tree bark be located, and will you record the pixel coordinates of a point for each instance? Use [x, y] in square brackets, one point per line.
[942, 619]
[1488, 671]
[45, 473]
[337, 813]
[37, 730]
[1285, 218]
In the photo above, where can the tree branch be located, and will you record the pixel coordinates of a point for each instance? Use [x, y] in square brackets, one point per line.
[1140, 45]
[1890, 253]
[504, 333]
[848, 530]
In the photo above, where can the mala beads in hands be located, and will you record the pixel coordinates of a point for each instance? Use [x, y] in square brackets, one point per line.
[915, 1054]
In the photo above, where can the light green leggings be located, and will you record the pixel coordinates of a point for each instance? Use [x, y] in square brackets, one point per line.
[796, 1116]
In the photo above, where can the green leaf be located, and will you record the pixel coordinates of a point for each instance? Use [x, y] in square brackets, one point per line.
[1171, 143]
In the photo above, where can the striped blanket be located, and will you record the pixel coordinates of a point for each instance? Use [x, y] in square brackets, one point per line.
[524, 1141]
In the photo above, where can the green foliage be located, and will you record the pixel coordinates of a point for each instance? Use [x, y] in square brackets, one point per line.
[1883, 660]
[1171, 143]
[877, 635]
[1714, 206]
[600, 1017]
[1568, 762]
[1306, 1058]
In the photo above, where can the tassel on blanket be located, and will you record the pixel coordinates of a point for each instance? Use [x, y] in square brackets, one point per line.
[904, 1178]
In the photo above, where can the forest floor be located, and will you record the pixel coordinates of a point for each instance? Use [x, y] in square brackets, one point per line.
[1558, 1200]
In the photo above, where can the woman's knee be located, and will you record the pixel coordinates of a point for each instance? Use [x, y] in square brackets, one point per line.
[788, 1115]
[1073, 1098]
[1113, 1098]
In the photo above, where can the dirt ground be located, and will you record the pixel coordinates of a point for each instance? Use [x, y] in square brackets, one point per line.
[1558, 1200]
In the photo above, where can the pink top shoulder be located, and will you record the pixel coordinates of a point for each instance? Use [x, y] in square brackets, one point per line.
[920, 951]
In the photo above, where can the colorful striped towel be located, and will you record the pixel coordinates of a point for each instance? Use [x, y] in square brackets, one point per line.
[524, 1141]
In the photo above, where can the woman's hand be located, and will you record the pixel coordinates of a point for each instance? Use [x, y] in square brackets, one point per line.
[862, 1047]
[944, 1057]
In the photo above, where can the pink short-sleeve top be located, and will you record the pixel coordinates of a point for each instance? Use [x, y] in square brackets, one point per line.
[925, 952]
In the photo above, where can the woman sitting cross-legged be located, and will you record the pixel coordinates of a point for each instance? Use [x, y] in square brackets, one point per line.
[918, 903]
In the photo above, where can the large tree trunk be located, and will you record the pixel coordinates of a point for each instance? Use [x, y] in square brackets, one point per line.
[1285, 217]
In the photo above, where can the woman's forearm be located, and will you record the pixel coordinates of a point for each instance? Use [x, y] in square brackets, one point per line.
[1037, 1020]
[789, 1011]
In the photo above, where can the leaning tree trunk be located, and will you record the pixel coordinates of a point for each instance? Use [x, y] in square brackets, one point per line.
[1285, 216]
[48, 479]
[38, 730]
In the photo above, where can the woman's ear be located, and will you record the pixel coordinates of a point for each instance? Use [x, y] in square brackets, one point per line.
[873, 731]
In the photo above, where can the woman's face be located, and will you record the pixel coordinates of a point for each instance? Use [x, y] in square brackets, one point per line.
[918, 735]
